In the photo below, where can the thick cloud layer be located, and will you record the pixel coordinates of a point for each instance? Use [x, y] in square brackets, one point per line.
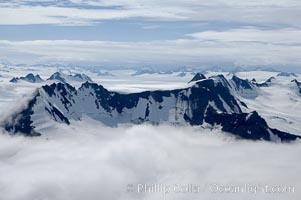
[88, 161]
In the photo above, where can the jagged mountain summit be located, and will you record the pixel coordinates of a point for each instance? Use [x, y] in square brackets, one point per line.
[298, 84]
[28, 78]
[64, 78]
[267, 83]
[104, 74]
[197, 77]
[81, 77]
[151, 70]
[244, 88]
[182, 74]
[208, 103]
[144, 70]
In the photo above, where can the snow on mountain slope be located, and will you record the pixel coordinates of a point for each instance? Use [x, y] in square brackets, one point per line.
[208, 101]
[279, 104]
[197, 77]
[112, 108]
[29, 78]
[260, 76]
[123, 82]
[266, 83]
[244, 88]
[87, 160]
[277, 101]
[64, 78]
[297, 85]
[13, 94]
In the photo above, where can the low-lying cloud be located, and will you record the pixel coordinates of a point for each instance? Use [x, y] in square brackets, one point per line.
[89, 161]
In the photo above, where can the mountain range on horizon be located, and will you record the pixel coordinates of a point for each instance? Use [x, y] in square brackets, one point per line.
[57, 76]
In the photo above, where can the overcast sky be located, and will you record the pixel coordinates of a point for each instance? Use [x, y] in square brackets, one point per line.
[169, 33]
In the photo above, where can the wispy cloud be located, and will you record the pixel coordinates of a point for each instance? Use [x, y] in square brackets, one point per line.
[22, 15]
[221, 48]
[151, 27]
[79, 12]
[289, 36]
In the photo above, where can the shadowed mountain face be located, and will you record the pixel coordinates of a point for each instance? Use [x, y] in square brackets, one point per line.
[267, 83]
[241, 83]
[197, 77]
[29, 78]
[298, 84]
[209, 102]
[287, 74]
[64, 78]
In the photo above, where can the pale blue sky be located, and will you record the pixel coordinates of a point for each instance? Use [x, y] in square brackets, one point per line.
[114, 30]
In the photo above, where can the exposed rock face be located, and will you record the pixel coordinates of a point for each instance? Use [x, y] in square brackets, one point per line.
[64, 78]
[29, 78]
[244, 88]
[287, 74]
[208, 102]
[267, 83]
[197, 77]
[298, 84]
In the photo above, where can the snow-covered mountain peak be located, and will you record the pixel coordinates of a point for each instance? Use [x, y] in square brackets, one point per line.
[28, 78]
[197, 77]
[298, 85]
[244, 87]
[241, 83]
[64, 78]
[82, 77]
[210, 101]
[287, 74]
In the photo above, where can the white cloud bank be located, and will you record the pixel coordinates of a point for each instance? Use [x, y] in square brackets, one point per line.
[287, 36]
[75, 12]
[94, 162]
[235, 47]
